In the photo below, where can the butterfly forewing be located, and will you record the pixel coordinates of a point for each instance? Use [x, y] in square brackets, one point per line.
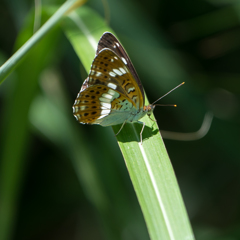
[109, 70]
[108, 40]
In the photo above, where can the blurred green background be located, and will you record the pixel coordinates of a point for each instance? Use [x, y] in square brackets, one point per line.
[68, 181]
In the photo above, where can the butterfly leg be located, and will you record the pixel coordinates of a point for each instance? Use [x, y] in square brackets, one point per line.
[152, 119]
[121, 128]
[143, 123]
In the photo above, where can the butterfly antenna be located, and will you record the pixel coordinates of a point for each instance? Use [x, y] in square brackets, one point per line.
[167, 94]
[166, 105]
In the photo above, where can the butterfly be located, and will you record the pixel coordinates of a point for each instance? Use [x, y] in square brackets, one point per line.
[112, 94]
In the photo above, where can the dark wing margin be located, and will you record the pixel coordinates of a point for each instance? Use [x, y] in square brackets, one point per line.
[108, 40]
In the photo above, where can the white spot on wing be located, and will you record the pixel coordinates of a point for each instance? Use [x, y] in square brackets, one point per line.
[117, 44]
[98, 74]
[112, 85]
[117, 72]
[105, 112]
[124, 60]
[112, 74]
[131, 89]
[102, 116]
[106, 105]
[122, 70]
[105, 100]
[113, 93]
[108, 96]
[83, 108]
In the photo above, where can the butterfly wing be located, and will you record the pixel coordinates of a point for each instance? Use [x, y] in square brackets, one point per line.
[108, 40]
[112, 91]
[100, 104]
[109, 70]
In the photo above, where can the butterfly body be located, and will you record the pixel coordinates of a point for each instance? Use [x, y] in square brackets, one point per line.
[112, 93]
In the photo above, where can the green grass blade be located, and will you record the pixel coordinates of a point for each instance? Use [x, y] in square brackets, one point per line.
[148, 164]
[155, 184]
[12, 62]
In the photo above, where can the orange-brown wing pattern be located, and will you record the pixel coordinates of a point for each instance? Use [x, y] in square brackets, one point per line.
[99, 101]
[108, 40]
[109, 70]
[87, 107]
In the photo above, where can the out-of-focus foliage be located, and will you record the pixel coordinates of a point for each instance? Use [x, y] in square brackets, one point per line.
[169, 42]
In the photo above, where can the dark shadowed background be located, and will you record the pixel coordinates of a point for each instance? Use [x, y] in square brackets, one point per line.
[169, 41]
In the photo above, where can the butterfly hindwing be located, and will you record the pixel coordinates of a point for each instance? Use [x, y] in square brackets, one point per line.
[99, 101]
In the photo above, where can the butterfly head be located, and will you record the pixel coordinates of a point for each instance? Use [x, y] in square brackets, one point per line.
[149, 109]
